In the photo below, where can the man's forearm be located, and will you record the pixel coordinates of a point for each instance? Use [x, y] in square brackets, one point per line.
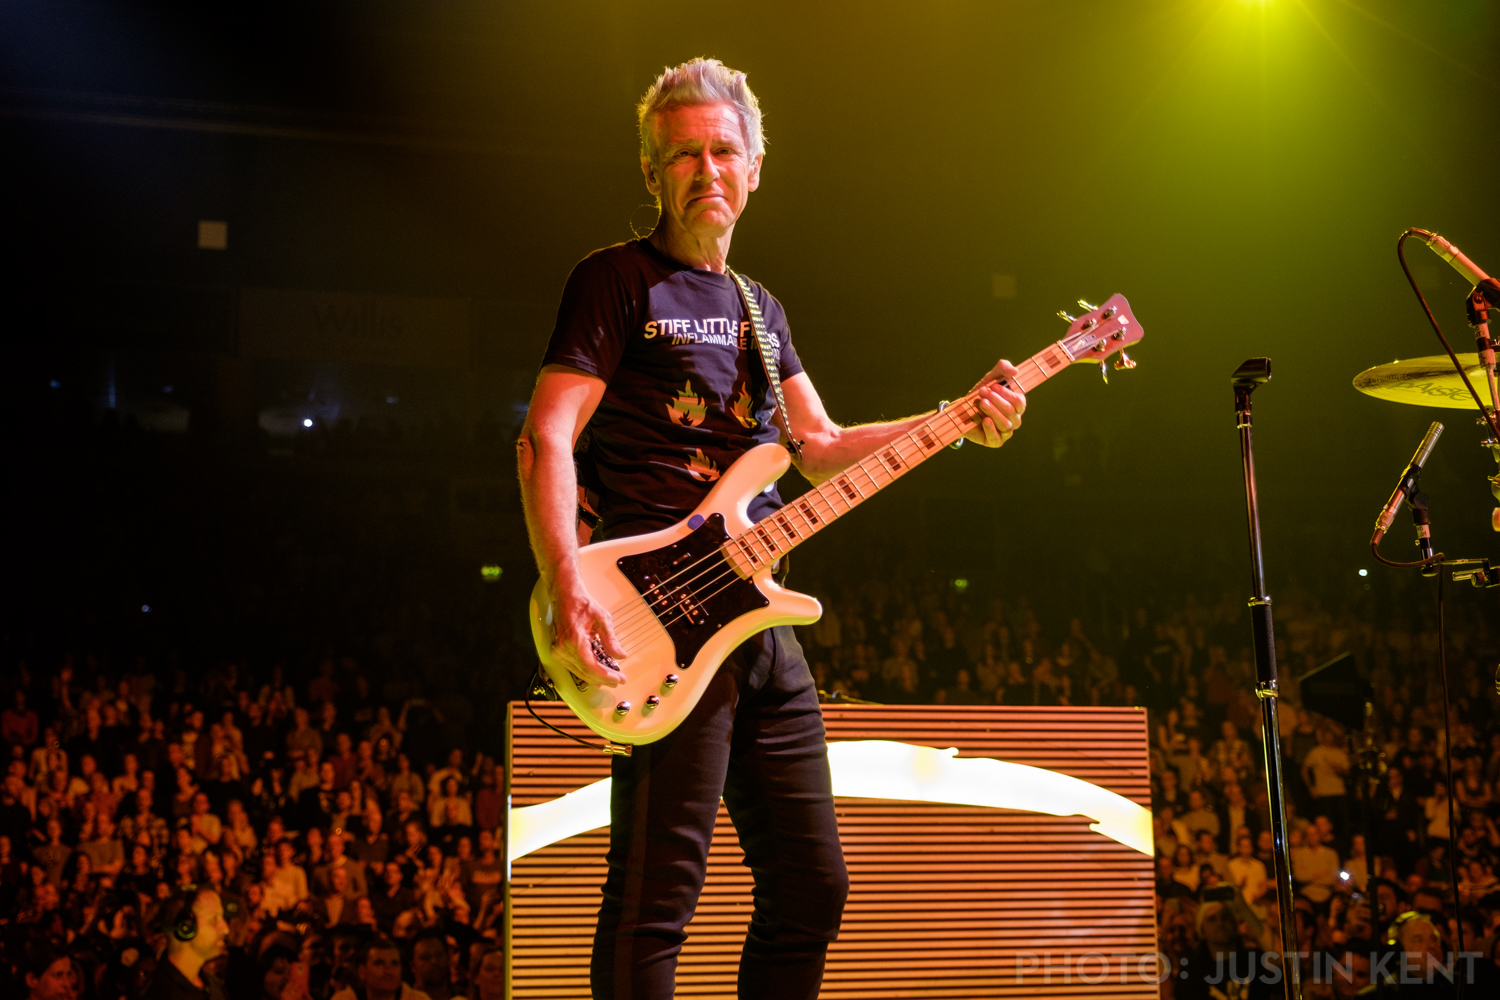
[826, 454]
[549, 497]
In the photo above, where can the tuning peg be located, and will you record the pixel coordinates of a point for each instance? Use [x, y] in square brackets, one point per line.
[1088, 306]
[1063, 315]
[1104, 372]
[1124, 362]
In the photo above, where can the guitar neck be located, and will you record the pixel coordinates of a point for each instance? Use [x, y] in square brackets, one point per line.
[777, 534]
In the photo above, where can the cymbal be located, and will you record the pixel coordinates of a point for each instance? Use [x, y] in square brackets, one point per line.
[1424, 382]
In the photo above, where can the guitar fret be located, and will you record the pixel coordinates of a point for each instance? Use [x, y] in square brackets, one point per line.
[760, 545]
[765, 539]
[748, 550]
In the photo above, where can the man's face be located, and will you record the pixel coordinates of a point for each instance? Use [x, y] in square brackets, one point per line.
[382, 970]
[212, 939]
[705, 174]
[491, 977]
[58, 982]
[429, 964]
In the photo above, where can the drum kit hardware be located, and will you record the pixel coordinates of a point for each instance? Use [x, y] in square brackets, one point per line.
[1454, 382]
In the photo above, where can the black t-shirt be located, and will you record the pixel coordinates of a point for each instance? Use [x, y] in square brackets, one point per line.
[685, 394]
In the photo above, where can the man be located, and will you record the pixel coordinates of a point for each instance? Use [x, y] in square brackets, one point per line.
[372, 846]
[50, 976]
[52, 855]
[1324, 769]
[338, 899]
[1199, 817]
[652, 351]
[105, 851]
[344, 760]
[191, 944]
[432, 966]
[452, 830]
[1222, 966]
[1207, 853]
[339, 860]
[1235, 816]
[391, 899]
[1315, 866]
[303, 736]
[380, 975]
[315, 805]
[481, 876]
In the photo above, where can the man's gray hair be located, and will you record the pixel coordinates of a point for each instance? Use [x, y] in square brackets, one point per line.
[700, 81]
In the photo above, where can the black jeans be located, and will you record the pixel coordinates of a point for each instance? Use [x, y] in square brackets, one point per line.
[756, 738]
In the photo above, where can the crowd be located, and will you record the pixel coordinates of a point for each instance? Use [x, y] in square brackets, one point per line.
[330, 849]
[1188, 662]
[306, 727]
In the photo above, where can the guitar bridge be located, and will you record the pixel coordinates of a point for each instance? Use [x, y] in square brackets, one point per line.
[691, 588]
[677, 604]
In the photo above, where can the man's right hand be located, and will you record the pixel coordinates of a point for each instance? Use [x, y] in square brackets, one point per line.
[577, 620]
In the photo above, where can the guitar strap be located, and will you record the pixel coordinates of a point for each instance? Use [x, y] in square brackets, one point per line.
[766, 347]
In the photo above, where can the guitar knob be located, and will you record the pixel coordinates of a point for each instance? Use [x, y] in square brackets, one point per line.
[670, 682]
[622, 709]
[651, 702]
[1062, 314]
[1104, 371]
[1087, 306]
[1124, 362]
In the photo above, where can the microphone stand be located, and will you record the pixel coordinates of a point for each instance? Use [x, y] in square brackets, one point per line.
[1247, 377]
[1478, 308]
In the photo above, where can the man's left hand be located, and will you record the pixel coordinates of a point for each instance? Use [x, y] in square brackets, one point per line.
[1001, 408]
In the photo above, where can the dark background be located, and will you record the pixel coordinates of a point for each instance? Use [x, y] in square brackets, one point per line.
[1240, 170]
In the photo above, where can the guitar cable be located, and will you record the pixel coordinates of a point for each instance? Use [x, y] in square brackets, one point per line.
[538, 684]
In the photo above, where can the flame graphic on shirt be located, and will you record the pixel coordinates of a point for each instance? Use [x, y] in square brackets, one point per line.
[742, 409]
[688, 408]
[702, 468]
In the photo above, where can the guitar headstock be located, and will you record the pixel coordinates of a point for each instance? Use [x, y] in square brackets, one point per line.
[1102, 331]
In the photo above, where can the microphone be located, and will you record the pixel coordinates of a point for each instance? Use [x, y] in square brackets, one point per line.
[1453, 255]
[1408, 483]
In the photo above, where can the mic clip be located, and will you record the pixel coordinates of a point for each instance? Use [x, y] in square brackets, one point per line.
[1417, 501]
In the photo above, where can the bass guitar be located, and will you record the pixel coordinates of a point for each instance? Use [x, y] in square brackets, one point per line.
[682, 598]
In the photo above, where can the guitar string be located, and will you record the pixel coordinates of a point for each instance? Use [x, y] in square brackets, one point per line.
[642, 613]
[641, 616]
[729, 569]
[952, 413]
[641, 619]
[633, 626]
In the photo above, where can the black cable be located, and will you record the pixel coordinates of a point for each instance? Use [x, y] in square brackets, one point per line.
[1458, 917]
[1430, 560]
[1490, 418]
[536, 680]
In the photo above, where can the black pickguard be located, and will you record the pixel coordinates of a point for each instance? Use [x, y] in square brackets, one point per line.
[692, 588]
